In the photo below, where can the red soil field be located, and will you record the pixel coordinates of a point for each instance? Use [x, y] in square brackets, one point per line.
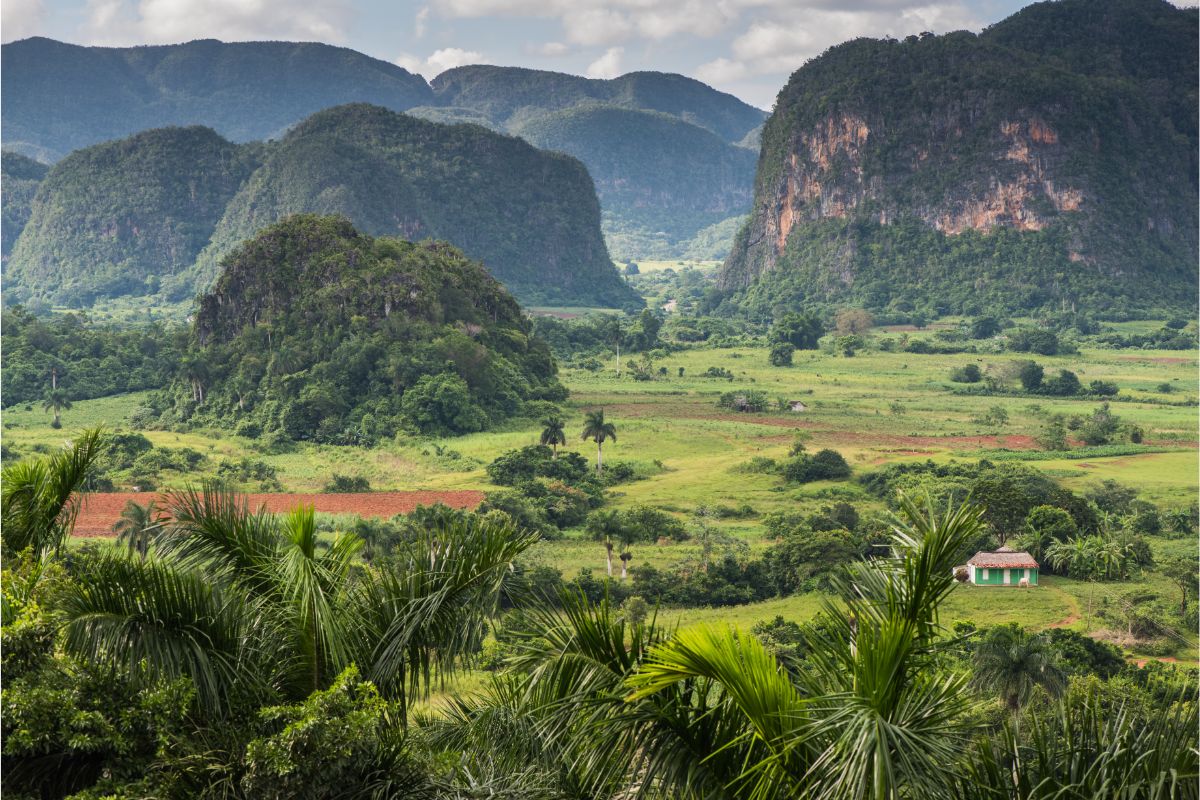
[101, 510]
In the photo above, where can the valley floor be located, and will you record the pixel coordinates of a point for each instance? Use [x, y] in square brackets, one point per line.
[875, 408]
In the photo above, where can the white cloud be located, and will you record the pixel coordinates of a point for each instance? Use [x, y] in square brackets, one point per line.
[439, 61]
[721, 71]
[451, 57]
[21, 18]
[421, 22]
[597, 26]
[782, 43]
[163, 21]
[410, 62]
[607, 65]
[551, 49]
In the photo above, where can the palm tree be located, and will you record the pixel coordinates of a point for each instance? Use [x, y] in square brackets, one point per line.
[552, 434]
[41, 499]
[58, 402]
[628, 537]
[1086, 747]
[1013, 663]
[710, 712]
[246, 605]
[603, 526]
[137, 526]
[1075, 557]
[599, 431]
[1078, 558]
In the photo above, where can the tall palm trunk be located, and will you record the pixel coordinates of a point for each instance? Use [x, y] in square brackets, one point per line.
[599, 456]
[608, 548]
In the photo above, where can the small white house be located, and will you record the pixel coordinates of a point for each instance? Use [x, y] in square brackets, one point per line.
[1004, 567]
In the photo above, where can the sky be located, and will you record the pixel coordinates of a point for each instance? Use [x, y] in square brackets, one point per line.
[745, 47]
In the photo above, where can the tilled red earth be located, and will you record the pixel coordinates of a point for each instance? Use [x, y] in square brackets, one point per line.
[100, 511]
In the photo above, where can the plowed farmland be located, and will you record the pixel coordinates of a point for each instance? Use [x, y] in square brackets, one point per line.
[100, 511]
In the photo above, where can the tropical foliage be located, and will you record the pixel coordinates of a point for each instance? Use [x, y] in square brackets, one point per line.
[318, 332]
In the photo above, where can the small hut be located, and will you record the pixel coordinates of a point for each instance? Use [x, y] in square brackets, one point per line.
[1004, 567]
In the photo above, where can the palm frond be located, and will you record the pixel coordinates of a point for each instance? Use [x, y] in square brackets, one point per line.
[214, 530]
[149, 617]
[40, 500]
[427, 615]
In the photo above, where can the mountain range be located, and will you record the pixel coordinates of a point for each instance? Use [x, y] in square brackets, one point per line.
[60, 97]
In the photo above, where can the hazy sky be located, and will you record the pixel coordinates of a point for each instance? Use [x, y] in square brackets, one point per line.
[745, 47]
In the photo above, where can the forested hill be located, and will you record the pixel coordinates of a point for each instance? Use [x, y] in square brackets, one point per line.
[1049, 161]
[660, 179]
[531, 216]
[510, 96]
[19, 180]
[124, 216]
[158, 211]
[316, 331]
[664, 150]
[59, 97]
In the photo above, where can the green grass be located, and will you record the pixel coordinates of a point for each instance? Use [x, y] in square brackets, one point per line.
[675, 421]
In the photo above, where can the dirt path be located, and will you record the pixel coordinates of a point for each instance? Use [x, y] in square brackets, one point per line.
[1072, 603]
[102, 510]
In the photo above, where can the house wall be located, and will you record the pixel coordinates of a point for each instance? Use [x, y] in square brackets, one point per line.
[1002, 577]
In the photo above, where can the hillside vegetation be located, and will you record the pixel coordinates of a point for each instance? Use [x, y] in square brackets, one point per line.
[159, 210]
[19, 179]
[1048, 162]
[660, 180]
[315, 331]
[121, 217]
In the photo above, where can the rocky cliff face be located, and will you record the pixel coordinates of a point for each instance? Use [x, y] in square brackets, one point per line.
[983, 153]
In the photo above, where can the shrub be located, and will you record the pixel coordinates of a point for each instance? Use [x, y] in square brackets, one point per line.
[746, 401]
[805, 559]
[442, 404]
[823, 465]
[1100, 427]
[1064, 384]
[183, 459]
[343, 484]
[245, 470]
[1026, 340]
[564, 506]
[124, 448]
[1030, 375]
[781, 355]
[759, 465]
[966, 374]
[1103, 388]
[537, 461]
[524, 514]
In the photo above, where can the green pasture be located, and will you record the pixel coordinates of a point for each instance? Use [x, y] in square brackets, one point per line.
[874, 408]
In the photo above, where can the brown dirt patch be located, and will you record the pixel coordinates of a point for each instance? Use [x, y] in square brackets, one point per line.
[102, 510]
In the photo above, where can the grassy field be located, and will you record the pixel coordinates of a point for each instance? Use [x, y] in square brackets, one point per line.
[874, 408]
